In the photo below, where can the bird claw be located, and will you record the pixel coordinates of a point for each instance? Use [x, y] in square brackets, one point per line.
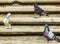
[8, 28]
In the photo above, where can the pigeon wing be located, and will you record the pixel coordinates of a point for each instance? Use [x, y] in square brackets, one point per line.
[51, 35]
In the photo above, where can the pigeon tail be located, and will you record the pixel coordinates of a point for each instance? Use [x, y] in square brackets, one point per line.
[57, 39]
[44, 14]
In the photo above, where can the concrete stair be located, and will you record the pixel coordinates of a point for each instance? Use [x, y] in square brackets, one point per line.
[27, 27]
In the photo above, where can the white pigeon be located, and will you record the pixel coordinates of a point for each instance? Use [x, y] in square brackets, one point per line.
[6, 21]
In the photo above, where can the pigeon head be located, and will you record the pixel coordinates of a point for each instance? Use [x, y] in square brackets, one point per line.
[35, 4]
[37, 9]
[8, 15]
[47, 27]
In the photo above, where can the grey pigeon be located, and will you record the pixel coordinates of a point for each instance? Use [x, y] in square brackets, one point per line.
[39, 11]
[49, 34]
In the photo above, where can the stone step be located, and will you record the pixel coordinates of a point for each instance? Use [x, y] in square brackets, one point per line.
[48, 8]
[25, 40]
[30, 1]
[27, 29]
[32, 20]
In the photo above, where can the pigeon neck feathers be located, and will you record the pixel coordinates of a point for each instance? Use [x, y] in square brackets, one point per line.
[46, 30]
[46, 27]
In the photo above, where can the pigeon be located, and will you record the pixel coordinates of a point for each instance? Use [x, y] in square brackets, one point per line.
[49, 34]
[6, 21]
[39, 11]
